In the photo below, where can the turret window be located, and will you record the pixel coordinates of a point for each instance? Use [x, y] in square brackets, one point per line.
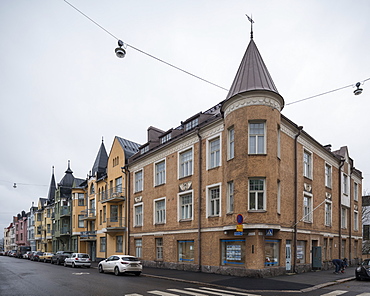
[257, 138]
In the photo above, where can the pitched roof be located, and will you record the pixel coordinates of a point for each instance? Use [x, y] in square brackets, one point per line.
[129, 147]
[101, 161]
[52, 188]
[252, 74]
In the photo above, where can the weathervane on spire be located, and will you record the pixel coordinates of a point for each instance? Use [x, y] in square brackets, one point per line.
[252, 21]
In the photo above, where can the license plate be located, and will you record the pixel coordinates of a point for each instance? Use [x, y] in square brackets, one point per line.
[133, 264]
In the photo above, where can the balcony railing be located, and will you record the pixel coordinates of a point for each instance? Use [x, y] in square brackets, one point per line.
[89, 214]
[65, 211]
[65, 230]
[114, 194]
[88, 235]
[115, 224]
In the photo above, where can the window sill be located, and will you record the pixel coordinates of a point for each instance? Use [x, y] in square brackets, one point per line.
[186, 220]
[257, 211]
[213, 168]
[158, 185]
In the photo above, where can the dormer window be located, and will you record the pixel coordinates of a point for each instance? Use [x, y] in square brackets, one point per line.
[191, 124]
[166, 138]
[144, 149]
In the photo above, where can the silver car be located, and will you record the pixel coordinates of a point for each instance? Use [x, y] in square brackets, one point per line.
[121, 264]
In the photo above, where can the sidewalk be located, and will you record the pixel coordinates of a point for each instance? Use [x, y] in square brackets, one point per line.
[302, 282]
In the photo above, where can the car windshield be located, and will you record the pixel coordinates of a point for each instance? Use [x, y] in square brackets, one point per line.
[366, 263]
[130, 259]
[83, 256]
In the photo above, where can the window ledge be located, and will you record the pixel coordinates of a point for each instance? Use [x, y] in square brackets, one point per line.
[257, 211]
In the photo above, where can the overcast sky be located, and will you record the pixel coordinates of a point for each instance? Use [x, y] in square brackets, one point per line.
[62, 88]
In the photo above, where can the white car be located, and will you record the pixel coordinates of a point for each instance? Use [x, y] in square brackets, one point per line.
[121, 264]
[78, 259]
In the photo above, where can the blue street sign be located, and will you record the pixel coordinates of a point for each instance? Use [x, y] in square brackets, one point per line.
[269, 232]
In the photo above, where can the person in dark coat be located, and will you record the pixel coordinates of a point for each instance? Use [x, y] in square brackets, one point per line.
[338, 263]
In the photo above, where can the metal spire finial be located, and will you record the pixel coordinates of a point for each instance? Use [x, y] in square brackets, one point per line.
[252, 21]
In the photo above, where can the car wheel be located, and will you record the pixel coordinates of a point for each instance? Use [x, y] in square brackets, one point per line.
[116, 271]
[51, 261]
[101, 270]
[58, 262]
[358, 278]
[73, 265]
[65, 264]
[45, 261]
[137, 273]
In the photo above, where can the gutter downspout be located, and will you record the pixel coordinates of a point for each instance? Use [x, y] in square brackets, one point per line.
[126, 171]
[340, 207]
[295, 198]
[350, 222]
[199, 201]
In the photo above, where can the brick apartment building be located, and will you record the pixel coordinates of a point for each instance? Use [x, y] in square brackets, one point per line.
[241, 189]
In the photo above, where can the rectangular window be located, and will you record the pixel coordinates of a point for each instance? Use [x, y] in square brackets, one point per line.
[81, 199]
[257, 138]
[160, 173]
[81, 223]
[104, 213]
[48, 227]
[233, 252]
[191, 124]
[355, 221]
[345, 184]
[159, 248]
[328, 214]
[307, 164]
[186, 206]
[366, 232]
[231, 144]
[118, 184]
[214, 155]
[301, 252]
[165, 138]
[328, 175]
[325, 249]
[139, 181]
[186, 251]
[278, 142]
[102, 244]
[138, 248]
[186, 163]
[113, 213]
[138, 210]
[214, 201]
[271, 252]
[101, 216]
[48, 213]
[344, 217]
[307, 208]
[119, 243]
[160, 211]
[355, 191]
[256, 194]
[278, 197]
[230, 196]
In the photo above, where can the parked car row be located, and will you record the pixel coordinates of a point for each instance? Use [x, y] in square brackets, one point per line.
[117, 264]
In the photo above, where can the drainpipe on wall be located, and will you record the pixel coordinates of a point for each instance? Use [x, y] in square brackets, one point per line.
[126, 171]
[199, 201]
[350, 222]
[340, 207]
[295, 198]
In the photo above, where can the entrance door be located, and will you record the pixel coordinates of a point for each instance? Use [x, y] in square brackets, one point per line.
[288, 256]
[93, 251]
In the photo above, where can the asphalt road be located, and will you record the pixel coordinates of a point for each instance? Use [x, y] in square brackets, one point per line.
[24, 277]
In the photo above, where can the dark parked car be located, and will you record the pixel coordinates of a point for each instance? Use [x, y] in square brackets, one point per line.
[35, 256]
[363, 271]
[60, 256]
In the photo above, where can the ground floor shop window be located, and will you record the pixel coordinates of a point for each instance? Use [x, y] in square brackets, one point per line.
[138, 248]
[232, 251]
[119, 243]
[272, 250]
[159, 248]
[186, 250]
[301, 252]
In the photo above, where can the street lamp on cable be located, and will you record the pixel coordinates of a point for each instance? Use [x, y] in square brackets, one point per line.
[358, 90]
[120, 51]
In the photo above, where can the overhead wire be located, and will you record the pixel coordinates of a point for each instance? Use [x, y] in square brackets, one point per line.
[187, 72]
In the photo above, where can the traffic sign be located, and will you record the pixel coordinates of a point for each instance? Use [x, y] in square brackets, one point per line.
[239, 219]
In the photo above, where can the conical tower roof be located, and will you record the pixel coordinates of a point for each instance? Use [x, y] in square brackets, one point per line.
[52, 188]
[66, 183]
[101, 161]
[252, 74]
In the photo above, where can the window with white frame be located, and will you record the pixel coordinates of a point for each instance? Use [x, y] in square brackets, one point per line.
[138, 212]
[257, 138]
[81, 222]
[230, 197]
[328, 175]
[191, 124]
[119, 243]
[307, 208]
[278, 197]
[159, 248]
[102, 244]
[81, 199]
[139, 181]
[160, 173]
[355, 191]
[278, 142]
[231, 143]
[307, 164]
[160, 211]
[139, 248]
[256, 194]
[345, 184]
[166, 138]
[186, 163]
[214, 153]
[355, 220]
[214, 200]
[328, 212]
[186, 206]
[344, 217]
[118, 184]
